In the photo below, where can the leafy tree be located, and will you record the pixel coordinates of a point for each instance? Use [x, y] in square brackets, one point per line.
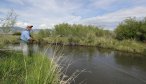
[131, 28]
[142, 30]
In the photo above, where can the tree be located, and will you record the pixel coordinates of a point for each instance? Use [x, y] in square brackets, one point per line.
[8, 22]
[142, 30]
[129, 29]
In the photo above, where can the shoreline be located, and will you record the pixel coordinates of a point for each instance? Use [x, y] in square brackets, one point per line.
[129, 46]
[78, 45]
[112, 49]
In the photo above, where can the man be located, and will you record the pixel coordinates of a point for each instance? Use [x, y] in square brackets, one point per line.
[25, 40]
[25, 35]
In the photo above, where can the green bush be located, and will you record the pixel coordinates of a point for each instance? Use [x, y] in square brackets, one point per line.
[7, 39]
[44, 33]
[17, 33]
[79, 31]
[131, 29]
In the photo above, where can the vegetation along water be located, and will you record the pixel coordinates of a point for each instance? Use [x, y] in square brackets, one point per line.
[129, 36]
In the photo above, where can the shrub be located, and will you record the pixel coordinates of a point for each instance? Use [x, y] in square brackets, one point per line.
[17, 33]
[131, 29]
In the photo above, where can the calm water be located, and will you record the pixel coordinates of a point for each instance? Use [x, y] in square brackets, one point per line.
[100, 66]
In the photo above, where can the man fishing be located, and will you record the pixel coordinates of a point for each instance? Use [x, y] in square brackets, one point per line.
[26, 39]
[25, 35]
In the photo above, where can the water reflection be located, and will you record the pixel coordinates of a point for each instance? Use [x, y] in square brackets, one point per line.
[27, 49]
[130, 60]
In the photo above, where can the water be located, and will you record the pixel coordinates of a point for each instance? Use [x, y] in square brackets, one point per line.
[100, 66]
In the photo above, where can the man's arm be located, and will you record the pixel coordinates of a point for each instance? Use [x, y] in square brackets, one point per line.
[27, 36]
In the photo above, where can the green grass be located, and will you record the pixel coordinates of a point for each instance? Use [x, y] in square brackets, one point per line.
[65, 34]
[37, 69]
[125, 45]
[102, 42]
[6, 39]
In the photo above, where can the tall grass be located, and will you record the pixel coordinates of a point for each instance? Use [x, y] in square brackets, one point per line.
[37, 69]
[80, 31]
[66, 34]
[5, 39]
[102, 42]
[125, 45]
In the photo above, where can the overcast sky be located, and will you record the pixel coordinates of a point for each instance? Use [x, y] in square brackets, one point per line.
[46, 13]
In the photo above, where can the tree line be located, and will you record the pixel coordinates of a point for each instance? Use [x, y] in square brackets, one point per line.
[130, 28]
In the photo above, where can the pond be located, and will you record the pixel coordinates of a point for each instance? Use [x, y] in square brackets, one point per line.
[98, 66]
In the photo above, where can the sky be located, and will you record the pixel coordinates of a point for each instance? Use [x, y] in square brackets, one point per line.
[47, 13]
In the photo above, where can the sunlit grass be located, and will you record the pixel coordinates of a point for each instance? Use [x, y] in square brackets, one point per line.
[5, 39]
[37, 69]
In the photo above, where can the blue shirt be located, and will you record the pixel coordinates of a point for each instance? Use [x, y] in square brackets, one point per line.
[25, 36]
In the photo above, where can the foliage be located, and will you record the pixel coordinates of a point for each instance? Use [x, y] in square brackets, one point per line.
[66, 34]
[80, 31]
[44, 33]
[17, 33]
[142, 30]
[102, 42]
[38, 69]
[131, 29]
[6, 39]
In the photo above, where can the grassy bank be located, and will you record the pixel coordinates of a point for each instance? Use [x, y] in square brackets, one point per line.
[18, 69]
[7, 39]
[102, 42]
[66, 34]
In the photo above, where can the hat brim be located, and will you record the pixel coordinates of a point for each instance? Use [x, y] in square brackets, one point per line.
[30, 26]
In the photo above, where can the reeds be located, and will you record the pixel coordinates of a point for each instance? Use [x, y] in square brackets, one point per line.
[102, 42]
[5, 39]
[37, 69]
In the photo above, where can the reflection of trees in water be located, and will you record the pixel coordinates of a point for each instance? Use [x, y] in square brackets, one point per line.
[82, 52]
[77, 52]
[130, 60]
[104, 52]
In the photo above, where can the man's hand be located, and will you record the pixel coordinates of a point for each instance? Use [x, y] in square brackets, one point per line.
[31, 40]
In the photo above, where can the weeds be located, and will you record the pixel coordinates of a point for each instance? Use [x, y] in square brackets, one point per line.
[37, 69]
